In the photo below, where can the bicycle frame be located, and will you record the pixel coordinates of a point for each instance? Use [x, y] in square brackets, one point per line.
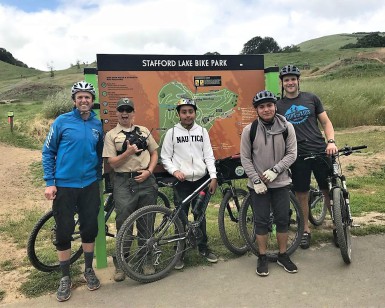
[175, 215]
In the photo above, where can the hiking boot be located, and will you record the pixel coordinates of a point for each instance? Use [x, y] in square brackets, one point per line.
[119, 275]
[335, 238]
[208, 254]
[305, 241]
[179, 264]
[148, 269]
[64, 291]
[262, 266]
[286, 263]
[93, 282]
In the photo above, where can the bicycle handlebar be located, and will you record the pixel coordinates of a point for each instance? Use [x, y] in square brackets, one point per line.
[346, 150]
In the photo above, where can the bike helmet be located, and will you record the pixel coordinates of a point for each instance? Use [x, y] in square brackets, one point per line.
[186, 101]
[82, 86]
[263, 97]
[289, 70]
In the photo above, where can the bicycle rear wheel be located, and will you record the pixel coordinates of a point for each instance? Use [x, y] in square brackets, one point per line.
[294, 233]
[228, 218]
[41, 249]
[149, 238]
[342, 224]
[317, 207]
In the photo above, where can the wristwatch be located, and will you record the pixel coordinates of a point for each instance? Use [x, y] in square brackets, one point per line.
[331, 141]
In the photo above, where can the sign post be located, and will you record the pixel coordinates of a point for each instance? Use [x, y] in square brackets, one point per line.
[10, 120]
[90, 75]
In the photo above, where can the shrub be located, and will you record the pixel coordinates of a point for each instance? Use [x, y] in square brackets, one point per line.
[38, 128]
[57, 104]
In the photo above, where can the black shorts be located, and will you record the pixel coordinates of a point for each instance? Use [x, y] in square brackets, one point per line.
[301, 173]
[86, 202]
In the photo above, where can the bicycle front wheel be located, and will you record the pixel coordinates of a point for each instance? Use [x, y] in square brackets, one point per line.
[149, 243]
[317, 207]
[41, 249]
[342, 224]
[228, 218]
[295, 230]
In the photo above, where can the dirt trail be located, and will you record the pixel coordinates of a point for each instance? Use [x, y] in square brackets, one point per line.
[17, 194]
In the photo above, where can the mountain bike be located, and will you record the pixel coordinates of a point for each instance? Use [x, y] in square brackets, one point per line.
[339, 199]
[295, 231]
[155, 236]
[41, 250]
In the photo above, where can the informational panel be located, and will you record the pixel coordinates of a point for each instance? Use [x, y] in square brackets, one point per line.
[222, 86]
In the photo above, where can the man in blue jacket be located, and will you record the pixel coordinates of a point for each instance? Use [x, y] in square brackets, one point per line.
[72, 164]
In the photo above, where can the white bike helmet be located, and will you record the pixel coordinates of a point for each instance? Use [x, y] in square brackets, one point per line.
[82, 86]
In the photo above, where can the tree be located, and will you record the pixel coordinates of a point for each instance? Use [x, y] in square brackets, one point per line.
[212, 53]
[50, 67]
[258, 45]
[371, 40]
[7, 57]
[291, 48]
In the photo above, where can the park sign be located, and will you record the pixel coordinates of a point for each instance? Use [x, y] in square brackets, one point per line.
[222, 86]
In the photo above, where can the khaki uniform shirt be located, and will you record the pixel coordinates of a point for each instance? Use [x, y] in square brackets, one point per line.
[114, 140]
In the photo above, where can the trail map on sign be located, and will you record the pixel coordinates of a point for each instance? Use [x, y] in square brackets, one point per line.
[212, 106]
[222, 86]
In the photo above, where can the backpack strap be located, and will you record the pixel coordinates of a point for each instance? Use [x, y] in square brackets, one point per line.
[253, 133]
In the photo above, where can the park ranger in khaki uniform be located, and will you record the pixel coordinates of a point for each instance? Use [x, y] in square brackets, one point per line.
[134, 184]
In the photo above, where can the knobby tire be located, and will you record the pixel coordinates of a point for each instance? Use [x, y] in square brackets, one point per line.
[41, 250]
[317, 207]
[228, 218]
[133, 250]
[342, 225]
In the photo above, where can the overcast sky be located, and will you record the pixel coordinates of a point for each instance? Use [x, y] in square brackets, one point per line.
[60, 32]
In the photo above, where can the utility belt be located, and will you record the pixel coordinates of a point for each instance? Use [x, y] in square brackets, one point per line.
[127, 174]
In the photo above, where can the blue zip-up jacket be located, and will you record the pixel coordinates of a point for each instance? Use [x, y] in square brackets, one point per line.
[72, 151]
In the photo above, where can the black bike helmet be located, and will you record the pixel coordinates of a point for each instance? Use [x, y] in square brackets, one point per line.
[263, 97]
[186, 101]
[289, 70]
[82, 86]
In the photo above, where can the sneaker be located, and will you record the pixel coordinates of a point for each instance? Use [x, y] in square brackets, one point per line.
[179, 265]
[119, 275]
[93, 282]
[148, 269]
[335, 238]
[64, 291]
[305, 241]
[208, 254]
[286, 263]
[262, 266]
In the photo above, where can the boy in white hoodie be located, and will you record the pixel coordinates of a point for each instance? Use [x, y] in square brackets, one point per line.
[187, 155]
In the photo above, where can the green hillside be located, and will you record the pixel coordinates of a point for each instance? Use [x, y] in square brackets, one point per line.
[349, 82]
[330, 42]
[30, 84]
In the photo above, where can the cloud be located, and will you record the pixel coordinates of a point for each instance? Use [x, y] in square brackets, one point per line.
[65, 31]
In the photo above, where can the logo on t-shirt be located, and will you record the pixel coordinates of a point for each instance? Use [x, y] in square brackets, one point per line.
[297, 114]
